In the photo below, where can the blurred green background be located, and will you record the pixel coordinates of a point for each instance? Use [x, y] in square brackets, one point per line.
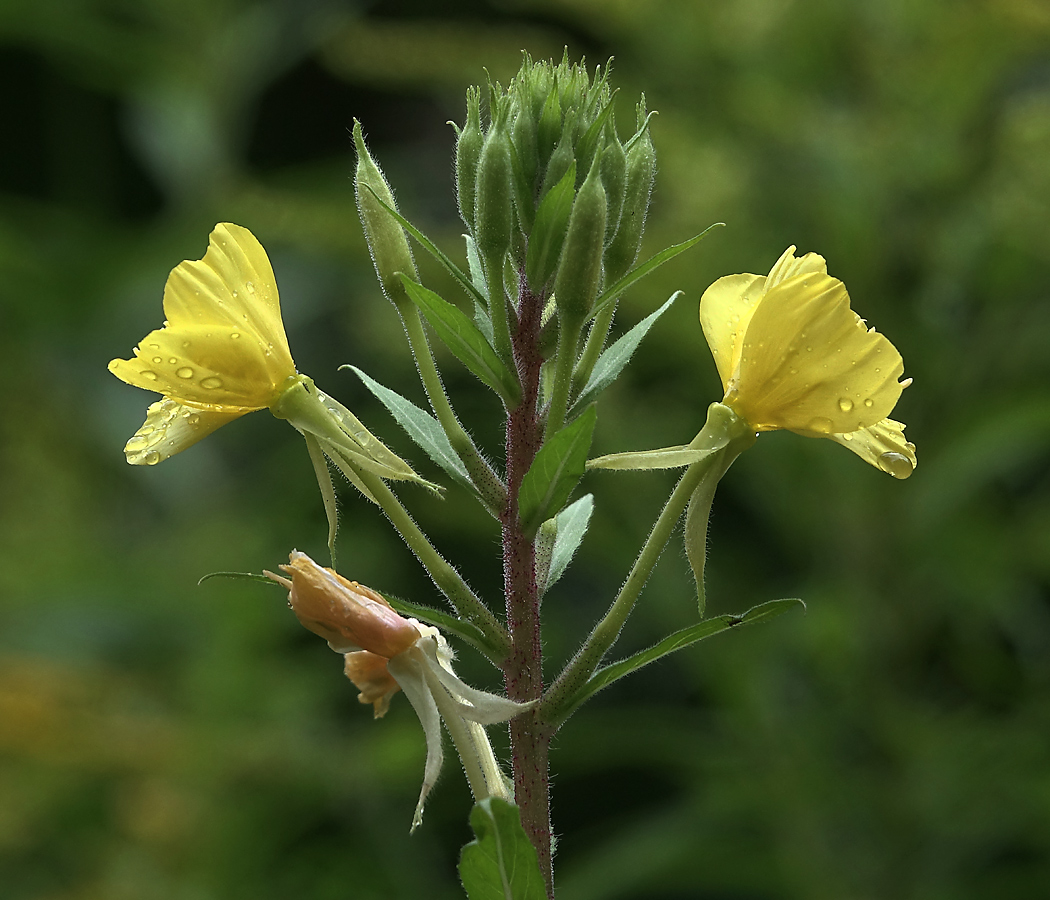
[163, 740]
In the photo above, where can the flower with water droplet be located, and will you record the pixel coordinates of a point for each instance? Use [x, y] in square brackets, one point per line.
[201, 368]
[841, 384]
[384, 653]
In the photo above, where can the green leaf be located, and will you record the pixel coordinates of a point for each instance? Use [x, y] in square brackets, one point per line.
[463, 338]
[244, 576]
[324, 482]
[697, 517]
[683, 638]
[477, 274]
[572, 526]
[612, 294]
[555, 471]
[548, 232]
[612, 362]
[422, 427]
[501, 863]
[467, 631]
[432, 248]
[664, 458]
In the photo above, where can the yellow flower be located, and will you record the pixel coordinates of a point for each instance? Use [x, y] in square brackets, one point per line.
[793, 355]
[221, 353]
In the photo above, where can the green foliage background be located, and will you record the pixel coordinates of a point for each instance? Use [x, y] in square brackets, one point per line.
[162, 740]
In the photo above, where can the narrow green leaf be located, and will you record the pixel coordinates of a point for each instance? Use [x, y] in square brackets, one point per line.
[555, 471]
[683, 638]
[572, 526]
[324, 482]
[548, 232]
[463, 338]
[466, 631]
[612, 294]
[612, 362]
[422, 427]
[500, 863]
[697, 517]
[243, 576]
[477, 275]
[664, 458]
[432, 248]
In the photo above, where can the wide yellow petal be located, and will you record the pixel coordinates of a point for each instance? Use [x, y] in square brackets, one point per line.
[232, 286]
[809, 364]
[884, 446]
[212, 366]
[170, 428]
[725, 311]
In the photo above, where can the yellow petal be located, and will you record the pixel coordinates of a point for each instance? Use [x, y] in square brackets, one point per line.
[809, 364]
[170, 428]
[234, 286]
[788, 266]
[725, 311]
[884, 446]
[213, 366]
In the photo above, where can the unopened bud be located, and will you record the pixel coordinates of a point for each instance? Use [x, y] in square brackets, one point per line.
[468, 151]
[580, 269]
[493, 216]
[348, 615]
[385, 236]
[641, 169]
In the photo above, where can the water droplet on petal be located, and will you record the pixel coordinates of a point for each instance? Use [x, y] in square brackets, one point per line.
[793, 371]
[234, 294]
[193, 418]
[157, 359]
[869, 403]
[152, 458]
[250, 287]
[172, 360]
[211, 383]
[185, 344]
[895, 464]
[821, 425]
[184, 372]
[154, 346]
[848, 436]
[149, 376]
[845, 404]
[135, 444]
[235, 336]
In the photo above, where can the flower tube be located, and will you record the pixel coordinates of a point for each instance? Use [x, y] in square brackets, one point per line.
[384, 653]
[792, 355]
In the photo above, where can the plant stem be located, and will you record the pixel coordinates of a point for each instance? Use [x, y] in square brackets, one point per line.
[605, 633]
[523, 668]
[464, 601]
[492, 490]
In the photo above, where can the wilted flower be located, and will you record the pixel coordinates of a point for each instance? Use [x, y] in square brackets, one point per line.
[793, 355]
[221, 353]
[385, 652]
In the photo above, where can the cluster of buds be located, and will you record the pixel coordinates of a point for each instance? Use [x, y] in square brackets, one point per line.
[384, 653]
[549, 184]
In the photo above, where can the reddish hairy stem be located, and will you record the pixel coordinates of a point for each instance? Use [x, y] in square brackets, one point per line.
[523, 669]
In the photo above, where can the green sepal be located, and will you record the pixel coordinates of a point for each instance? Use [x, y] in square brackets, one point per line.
[466, 631]
[612, 362]
[243, 576]
[612, 294]
[466, 341]
[324, 483]
[685, 637]
[500, 863]
[645, 460]
[555, 471]
[548, 232]
[571, 525]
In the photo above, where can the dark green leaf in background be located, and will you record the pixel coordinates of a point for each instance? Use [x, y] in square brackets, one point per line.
[500, 864]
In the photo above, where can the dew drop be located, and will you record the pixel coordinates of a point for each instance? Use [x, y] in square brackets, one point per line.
[809, 349]
[152, 458]
[869, 403]
[157, 359]
[250, 287]
[211, 383]
[821, 425]
[793, 371]
[193, 418]
[144, 430]
[154, 346]
[135, 444]
[149, 376]
[184, 372]
[172, 360]
[848, 436]
[235, 336]
[896, 464]
[185, 344]
[234, 294]
[845, 404]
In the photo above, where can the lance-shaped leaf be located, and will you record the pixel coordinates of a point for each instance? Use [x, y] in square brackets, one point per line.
[548, 232]
[612, 362]
[555, 471]
[463, 338]
[422, 427]
[572, 526]
[433, 249]
[697, 516]
[324, 482]
[477, 275]
[612, 293]
[500, 863]
[683, 638]
[664, 458]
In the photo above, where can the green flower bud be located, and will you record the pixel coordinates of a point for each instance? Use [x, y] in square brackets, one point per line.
[641, 169]
[468, 151]
[550, 126]
[614, 180]
[563, 157]
[525, 161]
[580, 271]
[493, 211]
[386, 238]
